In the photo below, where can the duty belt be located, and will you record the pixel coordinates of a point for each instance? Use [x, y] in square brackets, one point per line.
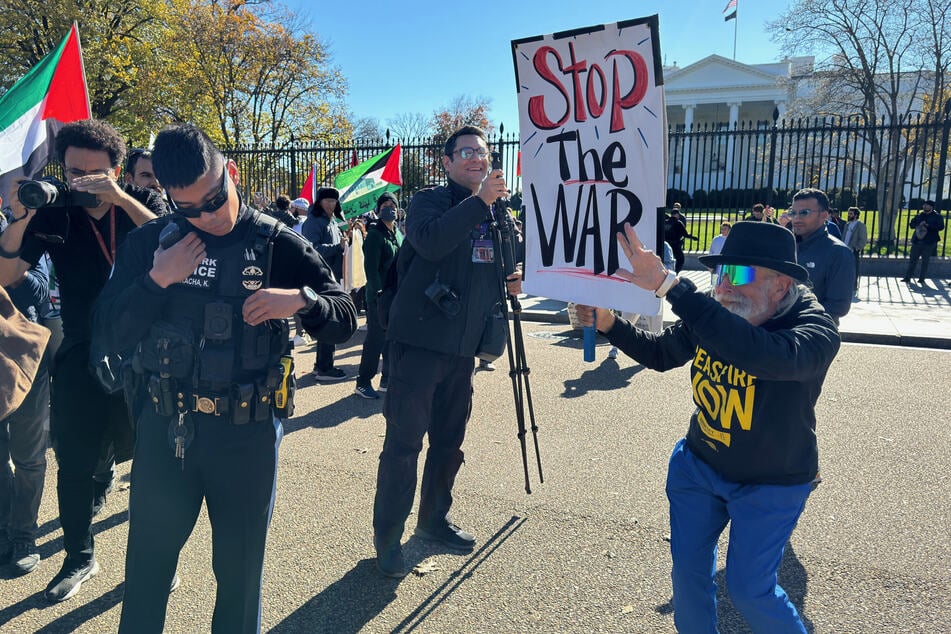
[244, 405]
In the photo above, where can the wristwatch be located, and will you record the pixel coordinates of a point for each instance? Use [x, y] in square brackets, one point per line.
[666, 284]
[310, 297]
[681, 288]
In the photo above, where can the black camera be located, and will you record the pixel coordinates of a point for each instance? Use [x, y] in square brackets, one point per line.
[444, 297]
[218, 318]
[52, 192]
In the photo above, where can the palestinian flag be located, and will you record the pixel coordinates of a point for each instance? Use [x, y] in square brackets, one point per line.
[36, 107]
[360, 186]
[309, 190]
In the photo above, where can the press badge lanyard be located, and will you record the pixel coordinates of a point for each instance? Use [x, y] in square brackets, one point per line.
[110, 255]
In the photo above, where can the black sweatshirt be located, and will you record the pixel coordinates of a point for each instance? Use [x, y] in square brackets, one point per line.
[755, 387]
[131, 301]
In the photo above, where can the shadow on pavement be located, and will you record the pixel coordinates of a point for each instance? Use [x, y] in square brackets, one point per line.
[71, 621]
[346, 409]
[793, 579]
[606, 376]
[418, 616]
[346, 605]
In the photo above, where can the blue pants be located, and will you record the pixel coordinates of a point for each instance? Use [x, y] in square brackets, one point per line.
[233, 468]
[762, 517]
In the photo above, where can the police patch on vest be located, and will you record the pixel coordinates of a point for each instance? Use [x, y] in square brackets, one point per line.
[204, 275]
[252, 278]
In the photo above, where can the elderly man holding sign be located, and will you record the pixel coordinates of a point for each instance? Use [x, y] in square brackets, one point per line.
[759, 350]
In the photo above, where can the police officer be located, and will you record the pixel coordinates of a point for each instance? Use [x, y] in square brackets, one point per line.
[206, 314]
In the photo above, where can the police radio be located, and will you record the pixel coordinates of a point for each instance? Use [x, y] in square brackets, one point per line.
[170, 235]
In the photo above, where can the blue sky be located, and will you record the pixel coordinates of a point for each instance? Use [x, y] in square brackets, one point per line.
[417, 55]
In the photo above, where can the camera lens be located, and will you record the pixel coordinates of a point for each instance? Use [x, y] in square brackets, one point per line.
[36, 194]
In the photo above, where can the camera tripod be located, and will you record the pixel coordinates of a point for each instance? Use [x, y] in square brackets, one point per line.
[503, 234]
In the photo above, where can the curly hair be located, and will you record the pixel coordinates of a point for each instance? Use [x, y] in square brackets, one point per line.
[90, 134]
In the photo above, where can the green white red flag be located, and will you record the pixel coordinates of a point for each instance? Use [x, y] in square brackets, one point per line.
[360, 186]
[309, 190]
[51, 94]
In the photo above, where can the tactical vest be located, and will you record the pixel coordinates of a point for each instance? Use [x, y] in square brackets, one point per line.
[200, 353]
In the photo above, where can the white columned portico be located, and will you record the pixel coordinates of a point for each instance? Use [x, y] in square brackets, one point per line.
[688, 124]
[781, 107]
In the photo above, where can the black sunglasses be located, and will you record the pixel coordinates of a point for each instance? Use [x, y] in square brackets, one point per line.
[209, 207]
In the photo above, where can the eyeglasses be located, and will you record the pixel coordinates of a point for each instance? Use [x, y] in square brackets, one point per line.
[802, 213]
[738, 274]
[466, 153]
[209, 207]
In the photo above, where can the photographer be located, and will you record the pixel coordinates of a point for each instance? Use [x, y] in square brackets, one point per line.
[207, 313]
[81, 240]
[448, 286]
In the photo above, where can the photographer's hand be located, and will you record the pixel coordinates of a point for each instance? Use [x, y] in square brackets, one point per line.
[20, 213]
[175, 264]
[493, 188]
[272, 303]
[102, 186]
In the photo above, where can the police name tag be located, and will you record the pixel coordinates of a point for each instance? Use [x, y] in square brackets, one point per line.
[483, 251]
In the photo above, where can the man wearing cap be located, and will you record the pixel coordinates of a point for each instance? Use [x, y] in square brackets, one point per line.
[322, 231]
[299, 209]
[830, 263]
[759, 349]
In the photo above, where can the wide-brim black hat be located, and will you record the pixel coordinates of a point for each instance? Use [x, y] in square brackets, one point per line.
[760, 244]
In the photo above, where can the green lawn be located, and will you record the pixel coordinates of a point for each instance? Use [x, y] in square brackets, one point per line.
[705, 224]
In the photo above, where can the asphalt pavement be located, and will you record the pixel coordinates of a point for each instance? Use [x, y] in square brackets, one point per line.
[586, 551]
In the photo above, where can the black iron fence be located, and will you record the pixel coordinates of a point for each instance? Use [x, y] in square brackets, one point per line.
[716, 172]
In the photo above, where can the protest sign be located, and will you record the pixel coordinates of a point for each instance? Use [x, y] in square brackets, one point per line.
[593, 135]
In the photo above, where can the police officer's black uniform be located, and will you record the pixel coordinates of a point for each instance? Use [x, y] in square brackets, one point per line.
[197, 361]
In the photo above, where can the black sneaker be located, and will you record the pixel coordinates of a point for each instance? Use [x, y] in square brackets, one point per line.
[25, 557]
[333, 374]
[383, 385]
[449, 534]
[70, 579]
[366, 391]
[486, 366]
[921, 281]
[389, 561]
[906, 280]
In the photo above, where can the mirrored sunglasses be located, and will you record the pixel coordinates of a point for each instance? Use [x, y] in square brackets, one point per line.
[738, 274]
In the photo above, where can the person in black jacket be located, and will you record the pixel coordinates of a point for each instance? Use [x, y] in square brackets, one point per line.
[449, 282]
[82, 242]
[207, 318]
[322, 231]
[759, 350]
[675, 231]
[925, 246]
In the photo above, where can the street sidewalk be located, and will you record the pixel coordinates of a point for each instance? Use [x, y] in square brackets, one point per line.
[887, 311]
